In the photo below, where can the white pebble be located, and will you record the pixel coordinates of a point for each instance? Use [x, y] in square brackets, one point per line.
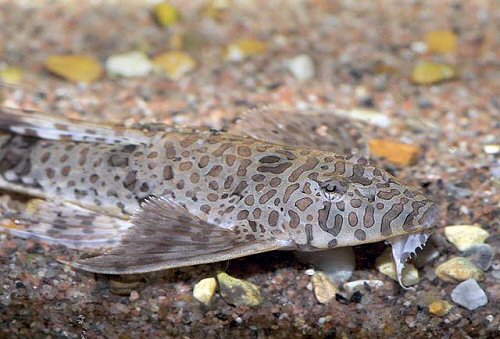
[302, 67]
[337, 263]
[469, 294]
[131, 64]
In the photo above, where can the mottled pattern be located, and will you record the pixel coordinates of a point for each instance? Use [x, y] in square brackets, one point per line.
[283, 196]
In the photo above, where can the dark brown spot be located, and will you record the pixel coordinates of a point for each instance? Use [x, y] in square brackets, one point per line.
[273, 218]
[242, 169]
[276, 169]
[212, 197]
[391, 215]
[168, 172]
[93, 178]
[244, 151]
[194, 178]
[230, 159]
[258, 177]
[222, 148]
[268, 195]
[294, 219]
[369, 219]
[144, 187]
[130, 180]
[288, 192]
[242, 215]
[323, 215]
[275, 182]
[269, 159]
[356, 203]
[249, 200]
[303, 203]
[215, 171]
[45, 157]
[228, 182]
[309, 165]
[65, 170]
[213, 185]
[388, 195]
[185, 166]
[50, 173]
[360, 235]
[170, 152]
[83, 156]
[353, 219]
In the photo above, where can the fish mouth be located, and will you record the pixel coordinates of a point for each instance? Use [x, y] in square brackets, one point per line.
[405, 246]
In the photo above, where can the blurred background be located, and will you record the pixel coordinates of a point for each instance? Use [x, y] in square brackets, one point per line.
[423, 75]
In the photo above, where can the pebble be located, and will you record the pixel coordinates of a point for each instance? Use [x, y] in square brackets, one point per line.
[76, 68]
[469, 294]
[245, 48]
[124, 285]
[429, 73]
[204, 290]
[465, 236]
[441, 42]
[368, 115]
[130, 64]
[302, 67]
[175, 64]
[395, 152]
[491, 149]
[385, 265]
[439, 307]
[337, 263]
[362, 285]
[238, 292]
[458, 269]
[166, 15]
[133, 296]
[481, 255]
[12, 75]
[324, 289]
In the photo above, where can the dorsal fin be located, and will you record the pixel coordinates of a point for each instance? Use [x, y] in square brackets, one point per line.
[316, 130]
[52, 127]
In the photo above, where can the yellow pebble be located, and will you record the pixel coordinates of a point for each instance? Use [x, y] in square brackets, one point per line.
[458, 269]
[12, 75]
[324, 288]
[77, 68]
[245, 48]
[428, 73]
[175, 64]
[395, 152]
[439, 308]
[166, 14]
[204, 290]
[441, 42]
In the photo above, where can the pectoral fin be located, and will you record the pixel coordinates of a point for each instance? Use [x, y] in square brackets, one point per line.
[316, 130]
[165, 235]
[63, 223]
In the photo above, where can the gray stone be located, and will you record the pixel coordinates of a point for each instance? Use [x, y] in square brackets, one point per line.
[480, 255]
[469, 294]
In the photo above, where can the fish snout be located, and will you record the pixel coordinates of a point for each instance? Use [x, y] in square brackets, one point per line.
[431, 216]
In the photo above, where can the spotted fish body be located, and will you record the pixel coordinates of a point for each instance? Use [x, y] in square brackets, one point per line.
[178, 197]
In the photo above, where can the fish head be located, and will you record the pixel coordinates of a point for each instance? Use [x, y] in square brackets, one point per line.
[357, 203]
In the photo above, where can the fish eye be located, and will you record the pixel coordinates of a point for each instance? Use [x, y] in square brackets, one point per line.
[333, 190]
